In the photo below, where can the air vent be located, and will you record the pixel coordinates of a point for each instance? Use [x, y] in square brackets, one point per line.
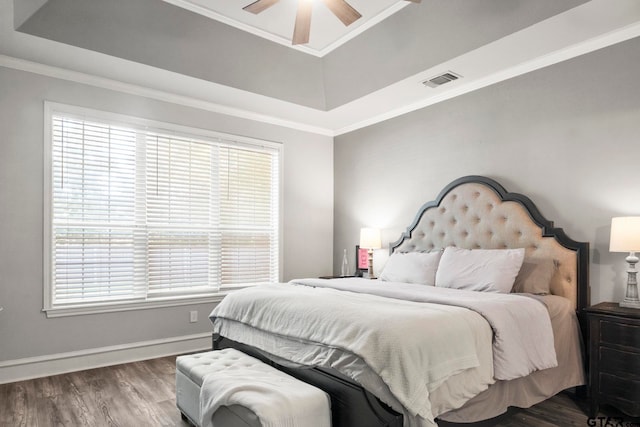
[441, 79]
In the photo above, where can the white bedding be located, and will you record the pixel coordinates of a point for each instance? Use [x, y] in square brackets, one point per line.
[523, 337]
[453, 393]
[372, 329]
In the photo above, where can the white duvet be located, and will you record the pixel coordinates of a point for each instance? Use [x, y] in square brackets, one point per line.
[523, 337]
[414, 348]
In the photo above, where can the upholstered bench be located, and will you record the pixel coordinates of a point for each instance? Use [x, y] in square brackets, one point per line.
[228, 388]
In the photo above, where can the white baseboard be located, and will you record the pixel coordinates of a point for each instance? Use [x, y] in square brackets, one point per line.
[54, 364]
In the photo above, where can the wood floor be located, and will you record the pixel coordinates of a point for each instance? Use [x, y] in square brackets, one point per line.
[135, 394]
[143, 394]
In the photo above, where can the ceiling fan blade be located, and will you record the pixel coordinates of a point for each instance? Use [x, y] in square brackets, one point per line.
[303, 23]
[259, 6]
[414, 1]
[343, 11]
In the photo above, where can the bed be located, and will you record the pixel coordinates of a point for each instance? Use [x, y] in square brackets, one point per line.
[470, 216]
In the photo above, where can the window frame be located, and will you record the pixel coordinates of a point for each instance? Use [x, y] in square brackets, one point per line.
[53, 108]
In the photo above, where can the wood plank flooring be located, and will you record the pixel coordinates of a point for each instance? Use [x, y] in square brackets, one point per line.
[143, 394]
[133, 394]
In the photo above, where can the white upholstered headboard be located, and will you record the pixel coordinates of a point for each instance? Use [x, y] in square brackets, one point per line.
[476, 212]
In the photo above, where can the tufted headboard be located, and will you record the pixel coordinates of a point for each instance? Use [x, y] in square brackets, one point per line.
[475, 212]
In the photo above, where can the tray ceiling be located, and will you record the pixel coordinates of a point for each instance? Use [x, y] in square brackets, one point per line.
[154, 49]
[276, 23]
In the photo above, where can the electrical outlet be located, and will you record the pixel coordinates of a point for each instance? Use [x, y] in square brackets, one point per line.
[193, 316]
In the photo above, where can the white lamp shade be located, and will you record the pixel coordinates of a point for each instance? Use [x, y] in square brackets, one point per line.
[370, 238]
[625, 234]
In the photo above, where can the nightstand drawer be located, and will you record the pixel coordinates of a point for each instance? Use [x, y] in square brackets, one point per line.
[618, 361]
[622, 334]
[624, 390]
[614, 366]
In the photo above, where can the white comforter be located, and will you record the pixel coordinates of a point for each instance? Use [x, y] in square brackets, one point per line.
[523, 338]
[407, 344]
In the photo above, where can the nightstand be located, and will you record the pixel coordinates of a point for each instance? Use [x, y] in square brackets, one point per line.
[614, 357]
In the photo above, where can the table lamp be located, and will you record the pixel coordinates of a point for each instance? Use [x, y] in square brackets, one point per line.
[370, 240]
[625, 237]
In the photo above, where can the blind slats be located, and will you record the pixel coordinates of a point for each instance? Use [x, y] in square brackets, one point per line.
[137, 213]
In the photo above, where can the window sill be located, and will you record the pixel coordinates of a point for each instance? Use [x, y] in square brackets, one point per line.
[84, 309]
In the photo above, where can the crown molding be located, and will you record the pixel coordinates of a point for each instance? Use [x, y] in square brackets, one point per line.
[159, 95]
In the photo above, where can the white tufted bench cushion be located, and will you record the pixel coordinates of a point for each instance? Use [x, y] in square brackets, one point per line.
[231, 389]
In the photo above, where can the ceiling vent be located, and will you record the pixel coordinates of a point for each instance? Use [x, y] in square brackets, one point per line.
[441, 79]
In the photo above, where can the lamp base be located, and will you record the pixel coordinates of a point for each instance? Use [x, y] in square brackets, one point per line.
[630, 304]
[370, 274]
[631, 299]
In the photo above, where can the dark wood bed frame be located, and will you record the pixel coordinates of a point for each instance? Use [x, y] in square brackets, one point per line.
[351, 404]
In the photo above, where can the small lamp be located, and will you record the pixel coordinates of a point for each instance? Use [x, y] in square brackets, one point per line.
[370, 240]
[625, 237]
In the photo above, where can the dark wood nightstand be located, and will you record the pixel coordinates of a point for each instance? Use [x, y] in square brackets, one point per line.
[614, 357]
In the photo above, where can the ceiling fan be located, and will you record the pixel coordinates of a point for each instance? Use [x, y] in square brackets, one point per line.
[340, 8]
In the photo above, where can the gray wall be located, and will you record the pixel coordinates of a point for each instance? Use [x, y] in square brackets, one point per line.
[567, 136]
[24, 329]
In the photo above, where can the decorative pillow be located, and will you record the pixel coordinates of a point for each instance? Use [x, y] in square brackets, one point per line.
[412, 267]
[535, 276]
[486, 270]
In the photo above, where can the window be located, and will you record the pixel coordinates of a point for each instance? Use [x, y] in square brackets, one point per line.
[141, 214]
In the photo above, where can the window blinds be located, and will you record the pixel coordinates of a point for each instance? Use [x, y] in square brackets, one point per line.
[138, 214]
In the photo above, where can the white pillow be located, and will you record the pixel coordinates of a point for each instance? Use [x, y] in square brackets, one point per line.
[412, 267]
[487, 270]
